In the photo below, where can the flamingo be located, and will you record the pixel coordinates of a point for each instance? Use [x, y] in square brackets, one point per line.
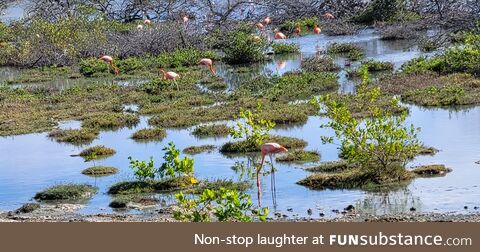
[147, 22]
[267, 21]
[280, 35]
[316, 29]
[140, 27]
[170, 76]
[185, 19]
[109, 60]
[328, 16]
[209, 64]
[269, 149]
[260, 26]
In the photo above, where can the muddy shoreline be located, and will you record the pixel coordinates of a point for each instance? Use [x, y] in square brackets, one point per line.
[67, 213]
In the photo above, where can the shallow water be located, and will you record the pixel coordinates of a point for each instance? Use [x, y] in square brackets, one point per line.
[32, 162]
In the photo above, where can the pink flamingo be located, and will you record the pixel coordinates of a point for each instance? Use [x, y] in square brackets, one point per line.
[260, 26]
[209, 64]
[267, 21]
[170, 76]
[185, 19]
[279, 35]
[147, 22]
[269, 149]
[328, 16]
[109, 60]
[316, 29]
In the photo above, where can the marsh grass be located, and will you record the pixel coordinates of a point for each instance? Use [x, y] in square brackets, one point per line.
[100, 171]
[330, 166]
[74, 136]
[193, 150]
[97, 152]
[213, 130]
[431, 170]
[184, 184]
[299, 156]
[428, 89]
[66, 192]
[149, 134]
[350, 50]
[244, 147]
[107, 121]
[319, 63]
[284, 48]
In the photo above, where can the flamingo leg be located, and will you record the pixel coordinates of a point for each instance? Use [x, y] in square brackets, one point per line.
[273, 185]
[259, 194]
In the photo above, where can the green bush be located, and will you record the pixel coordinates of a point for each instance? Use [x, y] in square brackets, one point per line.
[282, 48]
[241, 47]
[174, 167]
[252, 127]
[91, 66]
[223, 205]
[350, 50]
[378, 10]
[306, 24]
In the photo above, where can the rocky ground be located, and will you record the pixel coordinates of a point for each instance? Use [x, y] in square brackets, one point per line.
[67, 213]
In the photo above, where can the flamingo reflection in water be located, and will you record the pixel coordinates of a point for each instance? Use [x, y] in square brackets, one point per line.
[269, 149]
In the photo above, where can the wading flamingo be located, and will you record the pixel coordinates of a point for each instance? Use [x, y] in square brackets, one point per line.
[109, 60]
[328, 16]
[267, 21]
[316, 29]
[170, 76]
[269, 149]
[209, 64]
[147, 22]
[279, 35]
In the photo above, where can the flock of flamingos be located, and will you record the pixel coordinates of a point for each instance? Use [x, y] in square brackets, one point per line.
[267, 149]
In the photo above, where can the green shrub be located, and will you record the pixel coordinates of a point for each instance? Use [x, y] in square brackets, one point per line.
[214, 130]
[380, 145]
[143, 170]
[174, 166]
[241, 47]
[223, 205]
[282, 48]
[306, 24]
[92, 66]
[252, 127]
[98, 171]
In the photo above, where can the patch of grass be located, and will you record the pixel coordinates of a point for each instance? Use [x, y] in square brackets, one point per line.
[398, 32]
[67, 192]
[213, 130]
[299, 156]
[247, 147]
[283, 48]
[306, 24]
[152, 186]
[99, 171]
[349, 179]
[340, 28]
[150, 134]
[351, 51]
[97, 152]
[192, 150]
[431, 170]
[28, 208]
[214, 84]
[319, 63]
[428, 89]
[372, 66]
[330, 166]
[74, 136]
[291, 86]
[110, 120]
